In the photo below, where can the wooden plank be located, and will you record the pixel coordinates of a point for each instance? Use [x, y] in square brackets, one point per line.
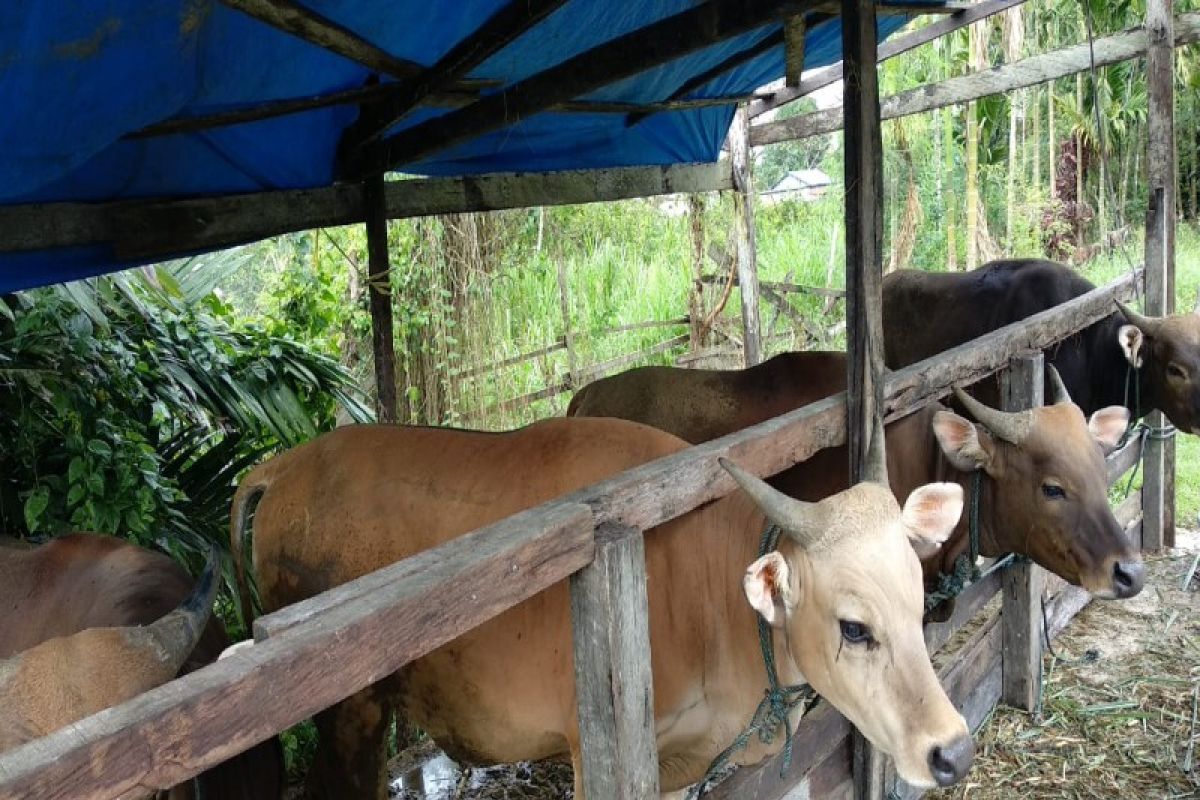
[1158, 480]
[795, 30]
[1021, 387]
[658, 43]
[1120, 461]
[167, 228]
[819, 291]
[379, 290]
[966, 606]
[997, 80]
[559, 344]
[209, 715]
[889, 49]
[637, 326]
[596, 371]
[744, 237]
[864, 297]
[506, 24]
[614, 691]
[306, 24]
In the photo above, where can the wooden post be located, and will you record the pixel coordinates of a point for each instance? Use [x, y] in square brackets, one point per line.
[864, 289]
[743, 231]
[1021, 388]
[696, 312]
[609, 617]
[794, 33]
[379, 281]
[1158, 492]
[564, 304]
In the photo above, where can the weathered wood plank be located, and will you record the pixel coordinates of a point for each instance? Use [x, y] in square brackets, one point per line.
[1021, 387]
[864, 296]
[997, 80]
[795, 29]
[379, 290]
[647, 47]
[819, 291]
[966, 606]
[1120, 461]
[610, 624]
[743, 234]
[1159, 454]
[207, 716]
[139, 228]
[507, 24]
[889, 49]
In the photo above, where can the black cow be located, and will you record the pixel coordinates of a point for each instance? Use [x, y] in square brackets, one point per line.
[925, 313]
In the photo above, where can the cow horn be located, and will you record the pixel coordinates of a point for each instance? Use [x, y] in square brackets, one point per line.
[797, 518]
[1058, 389]
[876, 466]
[180, 630]
[1011, 426]
[1147, 325]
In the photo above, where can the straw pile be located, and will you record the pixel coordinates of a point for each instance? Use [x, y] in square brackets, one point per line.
[1119, 705]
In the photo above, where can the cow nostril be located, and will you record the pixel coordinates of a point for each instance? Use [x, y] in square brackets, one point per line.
[1128, 578]
[950, 763]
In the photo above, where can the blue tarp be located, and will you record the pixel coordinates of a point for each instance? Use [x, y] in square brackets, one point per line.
[77, 77]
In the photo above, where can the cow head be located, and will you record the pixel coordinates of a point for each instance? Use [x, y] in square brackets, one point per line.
[1167, 351]
[1048, 493]
[844, 588]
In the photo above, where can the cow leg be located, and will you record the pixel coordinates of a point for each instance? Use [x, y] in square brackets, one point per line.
[351, 758]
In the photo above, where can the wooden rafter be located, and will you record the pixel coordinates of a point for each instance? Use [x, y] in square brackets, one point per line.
[795, 30]
[889, 49]
[1029, 71]
[635, 52]
[306, 24]
[505, 26]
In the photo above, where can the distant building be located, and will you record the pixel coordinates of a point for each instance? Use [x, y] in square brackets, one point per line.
[804, 185]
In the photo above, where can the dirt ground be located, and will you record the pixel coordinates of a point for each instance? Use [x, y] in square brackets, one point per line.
[1119, 703]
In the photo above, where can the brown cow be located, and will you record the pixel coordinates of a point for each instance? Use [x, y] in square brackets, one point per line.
[844, 585]
[66, 678]
[86, 581]
[1044, 495]
[1095, 364]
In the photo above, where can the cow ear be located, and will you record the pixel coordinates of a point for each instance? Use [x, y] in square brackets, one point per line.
[1108, 425]
[768, 588]
[965, 445]
[1131, 340]
[930, 514]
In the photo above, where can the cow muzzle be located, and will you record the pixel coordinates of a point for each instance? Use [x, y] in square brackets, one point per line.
[949, 763]
[1128, 578]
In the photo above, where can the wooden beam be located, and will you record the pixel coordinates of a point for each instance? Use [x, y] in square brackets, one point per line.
[1021, 387]
[744, 237]
[165, 736]
[614, 691]
[379, 290]
[1158, 476]
[658, 43]
[507, 24]
[998, 80]
[1118, 462]
[864, 294]
[168, 228]
[889, 49]
[795, 30]
[306, 24]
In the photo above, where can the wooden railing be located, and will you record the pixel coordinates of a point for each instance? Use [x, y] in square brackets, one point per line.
[317, 652]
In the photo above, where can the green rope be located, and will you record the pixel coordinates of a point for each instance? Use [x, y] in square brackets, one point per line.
[1136, 426]
[778, 701]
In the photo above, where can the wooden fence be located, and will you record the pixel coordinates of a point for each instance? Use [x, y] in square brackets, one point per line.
[317, 652]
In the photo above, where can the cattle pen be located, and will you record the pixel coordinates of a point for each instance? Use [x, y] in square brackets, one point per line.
[317, 652]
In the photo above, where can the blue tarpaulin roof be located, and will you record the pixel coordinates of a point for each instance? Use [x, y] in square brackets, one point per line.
[76, 78]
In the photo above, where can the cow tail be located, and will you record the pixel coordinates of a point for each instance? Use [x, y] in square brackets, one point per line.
[245, 499]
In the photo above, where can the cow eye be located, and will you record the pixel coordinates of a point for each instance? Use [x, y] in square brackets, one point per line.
[1176, 371]
[856, 632]
[1053, 491]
